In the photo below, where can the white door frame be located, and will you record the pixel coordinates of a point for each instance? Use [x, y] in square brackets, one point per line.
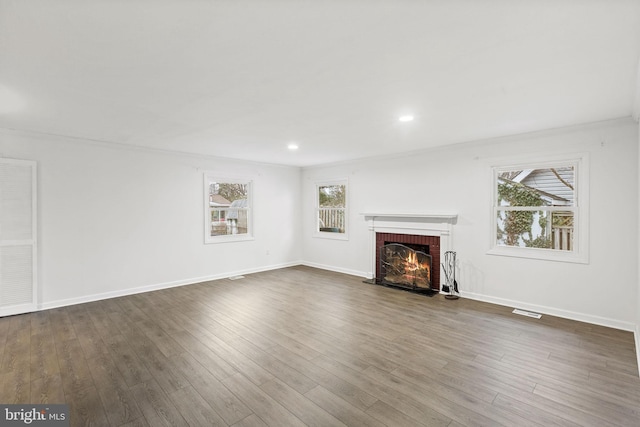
[18, 238]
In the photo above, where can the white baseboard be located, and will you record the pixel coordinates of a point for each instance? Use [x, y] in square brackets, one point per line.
[551, 311]
[158, 286]
[336, 269]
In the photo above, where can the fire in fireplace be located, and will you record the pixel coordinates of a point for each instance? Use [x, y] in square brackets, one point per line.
[423, 245]
[404, 266]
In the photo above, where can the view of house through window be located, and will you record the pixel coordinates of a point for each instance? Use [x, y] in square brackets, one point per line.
[536, 208]
[228, 208]
[331, 208]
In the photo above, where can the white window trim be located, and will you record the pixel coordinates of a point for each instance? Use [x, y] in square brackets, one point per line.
[580, 254]
[208, 238]
[325, 234]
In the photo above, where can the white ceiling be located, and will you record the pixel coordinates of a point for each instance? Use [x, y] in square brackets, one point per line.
[242, 79]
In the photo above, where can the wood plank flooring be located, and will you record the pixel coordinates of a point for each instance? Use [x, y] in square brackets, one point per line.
[306, 347]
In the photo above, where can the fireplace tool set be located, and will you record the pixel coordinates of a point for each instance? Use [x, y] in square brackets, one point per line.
[449, 267]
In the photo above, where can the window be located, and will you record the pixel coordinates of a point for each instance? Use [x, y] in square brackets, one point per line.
[537, 211]
[228, 210]
[331, 209]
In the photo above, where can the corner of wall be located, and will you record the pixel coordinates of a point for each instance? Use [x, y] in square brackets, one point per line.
[636, 101]
[637, 337]
[637, 330]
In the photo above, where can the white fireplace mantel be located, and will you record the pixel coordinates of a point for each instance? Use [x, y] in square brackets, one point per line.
[428, 223]
[425, 224]
[431, 216]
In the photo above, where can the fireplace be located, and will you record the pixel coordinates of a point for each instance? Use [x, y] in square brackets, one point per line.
[428, 233]
[409, 261]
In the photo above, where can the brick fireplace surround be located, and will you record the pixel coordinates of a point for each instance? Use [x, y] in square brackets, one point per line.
[433, 229]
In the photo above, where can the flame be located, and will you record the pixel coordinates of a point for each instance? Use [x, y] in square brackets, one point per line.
[412, 262]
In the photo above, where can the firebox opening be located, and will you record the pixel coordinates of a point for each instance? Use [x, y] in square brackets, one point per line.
[429, 245]
[406, 265]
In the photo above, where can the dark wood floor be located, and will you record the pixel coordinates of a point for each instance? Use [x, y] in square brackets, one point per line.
[301, 346]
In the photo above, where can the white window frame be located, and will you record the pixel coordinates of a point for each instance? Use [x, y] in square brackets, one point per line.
[215, 177]
[580, 252]
[316, 211]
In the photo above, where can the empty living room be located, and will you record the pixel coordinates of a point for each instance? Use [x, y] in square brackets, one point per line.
[303, 213]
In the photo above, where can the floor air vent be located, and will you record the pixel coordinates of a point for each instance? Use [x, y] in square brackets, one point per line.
[526, 313]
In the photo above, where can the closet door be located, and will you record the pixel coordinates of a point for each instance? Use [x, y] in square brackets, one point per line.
[17, 237]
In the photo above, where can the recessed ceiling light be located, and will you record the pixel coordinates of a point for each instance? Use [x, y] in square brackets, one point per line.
[292, 146]
[407, 118]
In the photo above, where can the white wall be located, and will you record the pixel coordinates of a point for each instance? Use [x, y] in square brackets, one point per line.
[458, 179]
[637, 330]
[115, 220]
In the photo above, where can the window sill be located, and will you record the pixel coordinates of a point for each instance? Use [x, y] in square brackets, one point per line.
[331, 235]
[542, 254]
[229, 238]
